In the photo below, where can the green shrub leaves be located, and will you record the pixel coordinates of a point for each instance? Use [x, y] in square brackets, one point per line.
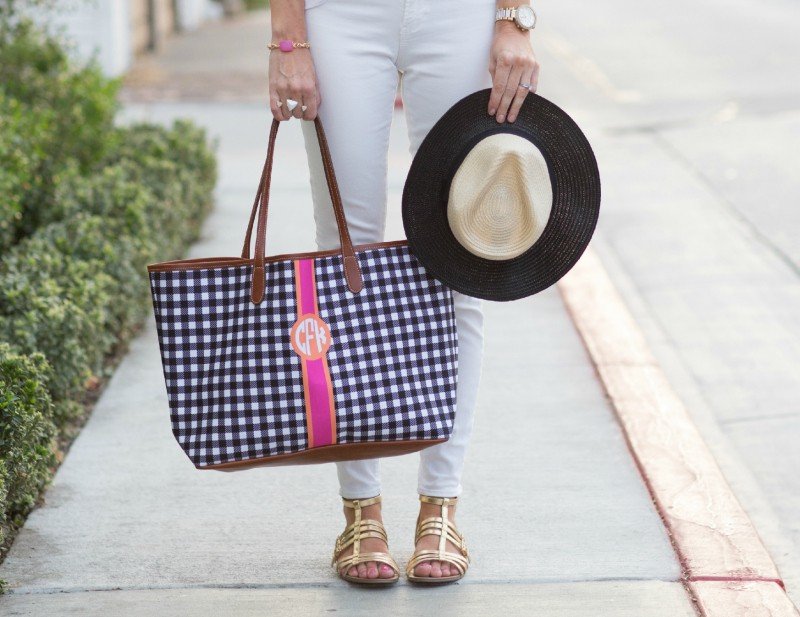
[60, 116]
[27, 433]
[84, 207]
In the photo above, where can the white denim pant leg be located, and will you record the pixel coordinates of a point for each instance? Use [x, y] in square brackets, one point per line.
[359, 50]
[443, 59]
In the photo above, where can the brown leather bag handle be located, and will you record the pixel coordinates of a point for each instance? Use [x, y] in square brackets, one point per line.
[352, 271]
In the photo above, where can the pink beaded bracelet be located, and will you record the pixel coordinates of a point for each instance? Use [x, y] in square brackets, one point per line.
[288, 45]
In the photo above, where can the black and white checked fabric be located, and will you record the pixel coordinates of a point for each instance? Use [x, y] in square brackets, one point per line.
[235, 385]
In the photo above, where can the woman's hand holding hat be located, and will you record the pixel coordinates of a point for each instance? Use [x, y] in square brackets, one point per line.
[514, 70]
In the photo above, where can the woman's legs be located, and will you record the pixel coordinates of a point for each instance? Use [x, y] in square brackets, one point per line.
[442, 48]
[440, 466]
[444, 56]
[352, 46]
[442, 64]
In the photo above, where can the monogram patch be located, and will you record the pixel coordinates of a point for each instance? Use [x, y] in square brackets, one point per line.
[310, 337]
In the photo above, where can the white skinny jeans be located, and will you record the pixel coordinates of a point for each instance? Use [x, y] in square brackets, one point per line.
[439, 49]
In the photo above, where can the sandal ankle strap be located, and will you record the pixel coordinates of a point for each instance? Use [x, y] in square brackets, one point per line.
[360, 503]
[439, 501]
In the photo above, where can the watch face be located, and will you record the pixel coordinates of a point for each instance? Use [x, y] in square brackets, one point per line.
[525, 16]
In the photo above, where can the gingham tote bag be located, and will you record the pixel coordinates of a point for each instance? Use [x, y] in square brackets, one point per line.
[306, 358]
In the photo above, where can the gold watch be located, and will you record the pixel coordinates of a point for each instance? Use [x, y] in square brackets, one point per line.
[522, 16]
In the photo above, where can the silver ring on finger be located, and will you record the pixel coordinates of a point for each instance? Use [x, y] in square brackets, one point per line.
[526, 86]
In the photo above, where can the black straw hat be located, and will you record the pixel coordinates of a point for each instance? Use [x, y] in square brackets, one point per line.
[501, 211]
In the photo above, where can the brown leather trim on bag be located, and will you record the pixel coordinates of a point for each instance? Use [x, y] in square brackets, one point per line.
[199, 263]
[258, 214]
[331, 454]
[352, 272]
[259, 284]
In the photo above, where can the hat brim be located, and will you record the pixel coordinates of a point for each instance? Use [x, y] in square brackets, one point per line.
[575, 182]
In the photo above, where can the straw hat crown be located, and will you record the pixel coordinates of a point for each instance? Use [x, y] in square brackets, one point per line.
[500, 197]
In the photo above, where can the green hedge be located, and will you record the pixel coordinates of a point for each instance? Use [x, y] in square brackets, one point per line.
[27, 433]
[21, 154]
[77, 286]
[180, 170]
[86, 207]
[60, 117]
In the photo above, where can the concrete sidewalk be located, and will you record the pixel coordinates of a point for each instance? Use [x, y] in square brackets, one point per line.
[554, 511]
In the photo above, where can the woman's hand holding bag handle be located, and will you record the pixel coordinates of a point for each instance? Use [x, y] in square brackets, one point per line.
[311, 357]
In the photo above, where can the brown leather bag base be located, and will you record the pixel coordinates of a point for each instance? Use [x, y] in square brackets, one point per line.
[331, 454]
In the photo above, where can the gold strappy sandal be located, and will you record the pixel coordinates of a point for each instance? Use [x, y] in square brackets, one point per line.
[353, 534]
[446, 530]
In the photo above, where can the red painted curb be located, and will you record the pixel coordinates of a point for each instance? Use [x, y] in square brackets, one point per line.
[717, 545]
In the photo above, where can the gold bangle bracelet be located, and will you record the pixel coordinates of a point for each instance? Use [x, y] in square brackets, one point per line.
[284, 45]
